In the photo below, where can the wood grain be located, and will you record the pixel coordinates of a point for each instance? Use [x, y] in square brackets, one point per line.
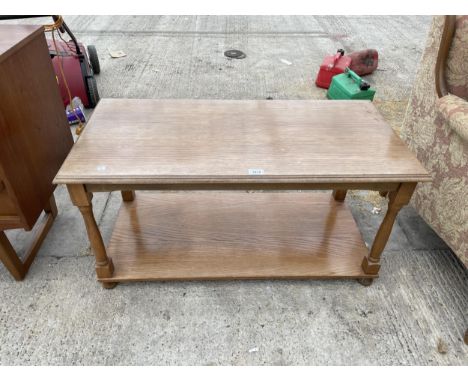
[221, 140]
[82, 199]
[14, 37]
[34, 134]
[254, 184]
[9, 213]
[396, 200]
[235, 235]
[34, 139]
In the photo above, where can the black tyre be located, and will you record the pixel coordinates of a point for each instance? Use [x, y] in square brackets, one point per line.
[93, 93]
[94, 59]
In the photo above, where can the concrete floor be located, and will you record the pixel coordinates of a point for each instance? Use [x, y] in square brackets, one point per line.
[61, 315]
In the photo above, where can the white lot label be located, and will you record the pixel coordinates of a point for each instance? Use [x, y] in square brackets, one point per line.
[256, 171]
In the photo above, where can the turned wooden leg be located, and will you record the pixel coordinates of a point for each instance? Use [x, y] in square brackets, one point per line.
[339, 195]
[82, 199]
[128, 196]
[397, 199]
[10, 259]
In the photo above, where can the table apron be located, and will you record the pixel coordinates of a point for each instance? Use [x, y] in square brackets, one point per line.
[390, 186]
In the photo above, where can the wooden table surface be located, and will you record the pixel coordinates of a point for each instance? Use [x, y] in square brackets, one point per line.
[157, 141]
[187, 145]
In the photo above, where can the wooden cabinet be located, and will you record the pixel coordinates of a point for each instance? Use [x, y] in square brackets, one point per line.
[34, 138]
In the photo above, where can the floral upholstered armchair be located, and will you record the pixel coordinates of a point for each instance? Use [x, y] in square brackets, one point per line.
[436, 129]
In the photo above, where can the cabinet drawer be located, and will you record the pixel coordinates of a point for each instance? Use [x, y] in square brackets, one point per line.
[8, 212]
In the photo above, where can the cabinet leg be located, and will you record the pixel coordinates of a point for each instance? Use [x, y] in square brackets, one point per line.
[397, 199]
[8, 255]
[10, 259]
[82, 199]
[339, 195]
[51, 207]
[128, 196]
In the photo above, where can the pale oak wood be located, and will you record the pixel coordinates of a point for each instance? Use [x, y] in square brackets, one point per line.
[82, 199]
[235, 235]
[397, 199]
[247, 186]
[178, 141]
[211, 145]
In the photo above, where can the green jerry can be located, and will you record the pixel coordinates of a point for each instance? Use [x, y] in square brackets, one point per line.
[349, 85]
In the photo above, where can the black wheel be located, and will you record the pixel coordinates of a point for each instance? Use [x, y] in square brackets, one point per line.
[93, 93]
[94, 59]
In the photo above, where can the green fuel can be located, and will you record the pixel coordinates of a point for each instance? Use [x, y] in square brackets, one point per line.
[349, 85]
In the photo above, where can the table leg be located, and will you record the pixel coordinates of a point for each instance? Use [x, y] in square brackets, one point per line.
[82, 199]
[339, 195]
[397, 199]
[128, 196]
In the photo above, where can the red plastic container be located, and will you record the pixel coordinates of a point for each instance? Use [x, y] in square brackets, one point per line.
[331, 66]
[364, 61]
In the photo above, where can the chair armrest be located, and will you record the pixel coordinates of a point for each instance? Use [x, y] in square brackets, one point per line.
[454, 110]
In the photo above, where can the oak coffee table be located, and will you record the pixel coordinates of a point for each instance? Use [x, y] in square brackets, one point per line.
[240, 165]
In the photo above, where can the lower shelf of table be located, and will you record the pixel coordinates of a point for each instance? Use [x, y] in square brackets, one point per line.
[235, 235]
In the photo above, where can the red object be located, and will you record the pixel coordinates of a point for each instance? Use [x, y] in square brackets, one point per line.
[72, 70]
[79, 66]
[364, 61]
[331, 66]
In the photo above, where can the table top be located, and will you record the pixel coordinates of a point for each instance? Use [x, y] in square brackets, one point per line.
[133, 141]
[12, 37]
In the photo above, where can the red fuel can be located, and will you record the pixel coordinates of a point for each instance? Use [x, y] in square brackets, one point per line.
[331, 66]
[364, 61]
